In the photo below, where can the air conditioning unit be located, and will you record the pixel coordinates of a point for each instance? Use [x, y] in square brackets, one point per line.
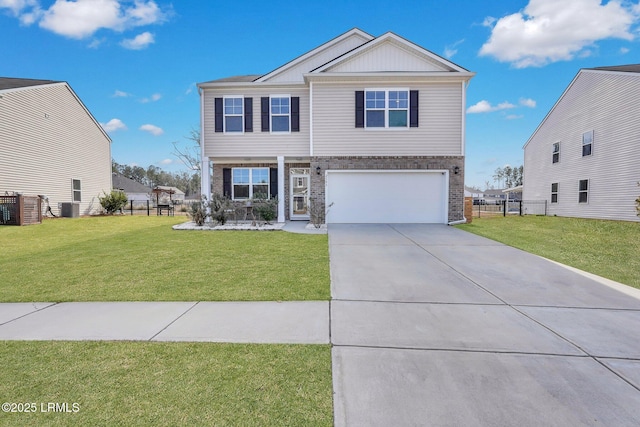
[70, 210]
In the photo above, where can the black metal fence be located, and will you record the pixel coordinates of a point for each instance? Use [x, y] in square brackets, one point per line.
[512, 207]
[147, 207]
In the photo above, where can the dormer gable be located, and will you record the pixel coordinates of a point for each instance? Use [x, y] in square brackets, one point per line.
[388, 53]
[293, 71]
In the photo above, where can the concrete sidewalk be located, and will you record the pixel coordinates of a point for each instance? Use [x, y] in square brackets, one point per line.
[240, 322]
[435, 326]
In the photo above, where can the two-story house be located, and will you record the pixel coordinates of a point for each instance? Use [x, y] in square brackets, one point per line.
[372, 129]
[583, 158]
[51, 145]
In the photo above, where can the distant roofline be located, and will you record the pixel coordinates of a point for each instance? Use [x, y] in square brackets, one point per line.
[17, 83]
[628, 68]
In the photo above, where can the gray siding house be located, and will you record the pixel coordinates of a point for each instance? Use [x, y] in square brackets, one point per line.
[583, 158]
[51, 145]
[372, 129]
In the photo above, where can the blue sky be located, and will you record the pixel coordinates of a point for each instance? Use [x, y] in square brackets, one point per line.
[135, 63]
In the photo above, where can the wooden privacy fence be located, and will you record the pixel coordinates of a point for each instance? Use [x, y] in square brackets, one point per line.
[20, 210]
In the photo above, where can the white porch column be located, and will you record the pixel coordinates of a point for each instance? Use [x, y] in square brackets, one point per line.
[205, 178]
[281, 195]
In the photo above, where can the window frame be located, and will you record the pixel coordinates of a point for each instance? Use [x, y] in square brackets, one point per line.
[273, 115]
[554, 192]
[584, 191]
[76, 193]
[249, 182]
[388, 108]
[225, 115]
[589, 144]
[555, 155]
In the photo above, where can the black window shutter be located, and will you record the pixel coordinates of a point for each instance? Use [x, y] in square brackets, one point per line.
[219, 114]
[295, 114]
[359, 108]
[248, 114]
[413, 108]
[226, 182]
[264, 113]
[273, 182]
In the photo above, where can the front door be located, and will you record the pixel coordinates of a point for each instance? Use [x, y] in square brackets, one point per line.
[299, 185]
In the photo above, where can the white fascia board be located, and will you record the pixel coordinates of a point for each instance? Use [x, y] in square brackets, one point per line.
[400, 76]
[235, 85]
[313, 52]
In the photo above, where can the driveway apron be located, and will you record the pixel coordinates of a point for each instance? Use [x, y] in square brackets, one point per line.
[434, 326]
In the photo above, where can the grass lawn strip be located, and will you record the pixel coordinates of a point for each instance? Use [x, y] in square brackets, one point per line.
[143, 259]
[609, 249]
[167, 384]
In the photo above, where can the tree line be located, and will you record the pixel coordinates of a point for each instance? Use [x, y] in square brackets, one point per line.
[153, 176]
[508, 177]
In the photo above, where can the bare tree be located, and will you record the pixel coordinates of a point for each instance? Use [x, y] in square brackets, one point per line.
[189, 155]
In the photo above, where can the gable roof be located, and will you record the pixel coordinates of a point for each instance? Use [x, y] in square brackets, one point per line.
[436, 62]
[632, 69]
[128, 185]
[17, 83]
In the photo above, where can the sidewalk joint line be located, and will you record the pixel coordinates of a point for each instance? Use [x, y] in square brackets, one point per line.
[174, 321]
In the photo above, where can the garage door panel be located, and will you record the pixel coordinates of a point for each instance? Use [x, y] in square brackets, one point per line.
[386, 197]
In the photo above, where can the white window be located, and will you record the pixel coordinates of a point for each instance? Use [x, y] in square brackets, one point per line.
[587, 143]
[556, 153]
[386, 108]
[250, 183]
[233, 114]
[583, 191]
[554, 192]
[76, 188]
[280, 113]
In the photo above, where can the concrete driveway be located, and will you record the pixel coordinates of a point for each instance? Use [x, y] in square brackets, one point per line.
[435, 326]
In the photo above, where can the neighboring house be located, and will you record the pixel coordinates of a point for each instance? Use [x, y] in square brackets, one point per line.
[51, 145]
[370, 128]
[165, 195]
[494, 197]
[135, 191]
[583, 158]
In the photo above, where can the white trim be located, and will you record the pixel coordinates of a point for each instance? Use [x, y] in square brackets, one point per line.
[311, 118]
[224, 115]
[271, 115]
[463, 118]
[387, 109]
[281, 195]
[205, 179]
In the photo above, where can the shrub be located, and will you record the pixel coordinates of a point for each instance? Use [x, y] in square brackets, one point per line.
[266, 209]
[198, 212]
[219, 207]
[113, 202]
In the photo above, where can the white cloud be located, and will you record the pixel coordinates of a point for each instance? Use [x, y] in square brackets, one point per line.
[550, 30]
[486, 107]
[113, 125]
[513, 116]
[190, 88]
[139, 42]
[152, 129]
[153, 98]
[624, 50]
[528, 102]
[80, 19]
[452, 49]
[120, 94]
[166, 162]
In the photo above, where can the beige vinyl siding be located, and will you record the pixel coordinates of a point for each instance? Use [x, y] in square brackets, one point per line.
[607, 104]
[388, 56]
[295, 73]
[256, 143]
[439, 132]
[47, 139]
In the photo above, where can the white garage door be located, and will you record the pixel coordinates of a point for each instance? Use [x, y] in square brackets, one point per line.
[367, 196]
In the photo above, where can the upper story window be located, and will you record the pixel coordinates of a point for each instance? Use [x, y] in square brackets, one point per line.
[280, 114]
[250, 183]
[76, 188]
[556, 153]
[233, 114]
[587, 143]
[386, 108]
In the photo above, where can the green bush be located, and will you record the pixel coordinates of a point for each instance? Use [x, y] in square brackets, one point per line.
[198, 212]
[113, 202]
[266, 209]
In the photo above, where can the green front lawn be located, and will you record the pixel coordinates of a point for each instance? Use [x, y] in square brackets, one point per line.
[609, 249]
[166, 384]
[131, 258]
